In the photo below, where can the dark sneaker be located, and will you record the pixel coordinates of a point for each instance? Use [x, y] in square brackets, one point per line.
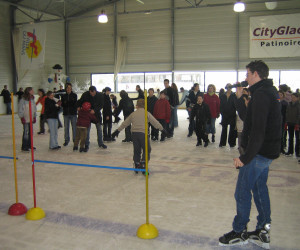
[206, 144]
[81, 150]
[103, 146]
[41, 133]
[25, 149]
[189, 135]
[198, 143]
[261, 237]
[234, 238]
[162, 139]
[288, 154]
[66, 144]
[299, 161]
[75, 148]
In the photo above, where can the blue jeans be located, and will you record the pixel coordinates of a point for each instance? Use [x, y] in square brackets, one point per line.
[171, 124]
[67, 120]
[26, 140]
[99, 134]
[175, 120]
[53, 127]
[8, 108]
[252, 178]
[211, 128]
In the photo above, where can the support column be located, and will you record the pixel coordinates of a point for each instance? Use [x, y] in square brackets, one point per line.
[237, 45]
[173, 37]
[115, 40]
[67, 52]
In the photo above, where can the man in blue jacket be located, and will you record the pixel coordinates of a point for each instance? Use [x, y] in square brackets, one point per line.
[261, 139]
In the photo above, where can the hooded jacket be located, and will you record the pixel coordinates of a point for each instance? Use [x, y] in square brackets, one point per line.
[262, 125]
[23, 111]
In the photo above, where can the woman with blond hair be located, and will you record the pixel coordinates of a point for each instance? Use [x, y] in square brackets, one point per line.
[213, 101]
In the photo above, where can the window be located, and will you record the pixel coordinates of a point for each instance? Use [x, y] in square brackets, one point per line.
[100, 81]
[291, 78]
[155, 80]
[128, 81]
[187, 80]
[220, 78]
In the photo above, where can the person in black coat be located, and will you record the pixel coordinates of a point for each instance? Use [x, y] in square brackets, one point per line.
[20, 94]
[261, 138]
[107, 116]
[68, 103]
[172, 97]
[192, 100]
[202, 113]
[7, 99]
[126, 105]
[140, 93]
[151, 100]
[228, 112]
[52, 108]
[284, 105]
[96, 99]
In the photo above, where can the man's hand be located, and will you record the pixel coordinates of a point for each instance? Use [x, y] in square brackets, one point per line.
[92, 111]
[237, 163]
[239, 92]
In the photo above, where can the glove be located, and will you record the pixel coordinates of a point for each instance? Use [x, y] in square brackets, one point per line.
[115, 134]
[117, 119]
[23, 120]
[296, 127]
[34, 120]
[285, 127]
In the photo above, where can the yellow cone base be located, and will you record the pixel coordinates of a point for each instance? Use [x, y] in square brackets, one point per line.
[35, 213]
[147, 231]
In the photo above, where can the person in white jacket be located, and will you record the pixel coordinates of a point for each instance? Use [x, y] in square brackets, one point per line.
[25, 117]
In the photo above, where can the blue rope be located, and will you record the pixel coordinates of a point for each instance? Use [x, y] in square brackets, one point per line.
[7, 157]
[89, 165]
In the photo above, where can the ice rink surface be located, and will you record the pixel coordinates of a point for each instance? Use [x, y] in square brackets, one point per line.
[191, 195]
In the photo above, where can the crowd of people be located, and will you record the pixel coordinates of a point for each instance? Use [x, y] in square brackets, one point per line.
[259, 118]
[203, 111]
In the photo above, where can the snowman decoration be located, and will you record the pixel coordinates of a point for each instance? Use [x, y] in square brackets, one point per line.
[57, 77]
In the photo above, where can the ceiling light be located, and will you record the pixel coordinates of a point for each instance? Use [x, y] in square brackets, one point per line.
[239, 6]
[271, 5]
[103, 17]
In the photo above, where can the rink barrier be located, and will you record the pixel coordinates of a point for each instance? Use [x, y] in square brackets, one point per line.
[89, 165]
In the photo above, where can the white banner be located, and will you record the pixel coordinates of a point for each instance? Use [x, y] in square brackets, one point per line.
[275, 36]
[32, 42]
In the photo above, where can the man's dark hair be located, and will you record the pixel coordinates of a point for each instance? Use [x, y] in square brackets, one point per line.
[195, 85]
[92, 88]
[260, 67]
[167, 80]
[68, 84]
[295, 94]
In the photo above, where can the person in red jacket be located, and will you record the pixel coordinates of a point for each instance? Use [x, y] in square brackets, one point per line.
[213, 102]
[162, 112]
[85, 117]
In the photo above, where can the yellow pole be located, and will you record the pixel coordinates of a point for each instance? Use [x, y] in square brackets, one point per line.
[147, 230]
[146, 156]
[14, 145]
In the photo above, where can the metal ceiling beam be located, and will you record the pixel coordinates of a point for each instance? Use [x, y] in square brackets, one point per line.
[96, 6]
[26, 7]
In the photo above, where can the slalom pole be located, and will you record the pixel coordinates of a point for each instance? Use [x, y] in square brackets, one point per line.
[34, 213]
[16, 208]
[147, 231]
